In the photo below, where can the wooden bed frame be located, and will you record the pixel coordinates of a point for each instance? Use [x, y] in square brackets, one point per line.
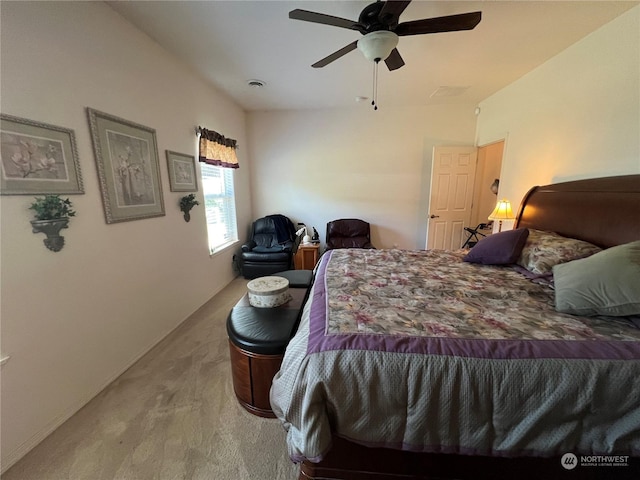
[603, 211]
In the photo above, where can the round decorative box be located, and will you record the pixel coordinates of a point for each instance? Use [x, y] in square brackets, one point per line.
[268, 292]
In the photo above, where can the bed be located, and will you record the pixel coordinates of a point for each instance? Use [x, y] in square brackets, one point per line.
[417, 364]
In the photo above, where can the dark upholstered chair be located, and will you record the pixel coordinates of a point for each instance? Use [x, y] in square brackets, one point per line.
[348, 233]
[270, 248]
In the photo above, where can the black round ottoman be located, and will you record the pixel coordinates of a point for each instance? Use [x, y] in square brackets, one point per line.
[258, 338]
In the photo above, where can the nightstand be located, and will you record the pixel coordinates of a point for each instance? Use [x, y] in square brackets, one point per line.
[306, 256]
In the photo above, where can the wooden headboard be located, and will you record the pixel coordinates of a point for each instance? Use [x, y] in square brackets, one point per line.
[603, 211]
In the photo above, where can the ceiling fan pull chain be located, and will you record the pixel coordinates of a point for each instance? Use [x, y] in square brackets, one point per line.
[373, 87]
[376, 74]
[374, 102]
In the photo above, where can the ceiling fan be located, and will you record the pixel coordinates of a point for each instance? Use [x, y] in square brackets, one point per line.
[378, 22]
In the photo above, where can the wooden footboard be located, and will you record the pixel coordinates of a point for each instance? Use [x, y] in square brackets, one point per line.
[349, 461]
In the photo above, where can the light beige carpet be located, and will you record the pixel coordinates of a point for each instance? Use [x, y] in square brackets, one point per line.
[173, 415]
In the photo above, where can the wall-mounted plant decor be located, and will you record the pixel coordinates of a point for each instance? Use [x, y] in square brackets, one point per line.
[52, 214]
[37, 158]
[186, 204]
[128, 168]
[182, 172]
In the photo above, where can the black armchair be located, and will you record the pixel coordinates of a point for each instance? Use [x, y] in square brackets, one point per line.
[348, 233]
[270, 248]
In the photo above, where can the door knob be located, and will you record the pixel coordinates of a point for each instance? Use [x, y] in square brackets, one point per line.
[434, 216]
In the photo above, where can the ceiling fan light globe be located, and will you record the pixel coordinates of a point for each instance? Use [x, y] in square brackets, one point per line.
[377, 46]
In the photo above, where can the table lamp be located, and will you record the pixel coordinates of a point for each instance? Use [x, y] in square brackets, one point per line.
[303, 231]
[502, 212]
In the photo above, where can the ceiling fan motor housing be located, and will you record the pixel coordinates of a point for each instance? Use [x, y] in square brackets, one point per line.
[371, 21]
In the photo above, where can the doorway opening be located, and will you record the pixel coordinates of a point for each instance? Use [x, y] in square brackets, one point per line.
[485, 189]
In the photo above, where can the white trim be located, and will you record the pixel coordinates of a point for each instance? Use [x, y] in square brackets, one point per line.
[223, 249]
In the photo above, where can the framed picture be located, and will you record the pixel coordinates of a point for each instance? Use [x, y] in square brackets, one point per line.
[182, 172]
[37, 158]
[128, 168]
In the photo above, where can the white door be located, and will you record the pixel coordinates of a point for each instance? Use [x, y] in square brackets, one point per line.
[452, 181]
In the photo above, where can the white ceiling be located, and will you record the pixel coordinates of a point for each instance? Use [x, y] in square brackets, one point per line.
[231, 42]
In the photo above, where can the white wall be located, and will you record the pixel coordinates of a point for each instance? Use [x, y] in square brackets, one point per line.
[576, 116]
[75, 319]
[318, 166]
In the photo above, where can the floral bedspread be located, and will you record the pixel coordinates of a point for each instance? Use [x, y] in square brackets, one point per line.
[419, 351]
[435, 294]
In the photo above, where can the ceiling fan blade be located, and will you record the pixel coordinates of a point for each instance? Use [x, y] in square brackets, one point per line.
[450, 23]
[307, 16]
[394, 61]
[335, 55]
[392, 9]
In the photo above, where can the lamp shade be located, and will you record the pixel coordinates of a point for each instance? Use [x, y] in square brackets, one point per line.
[378, 45]
[502, 211]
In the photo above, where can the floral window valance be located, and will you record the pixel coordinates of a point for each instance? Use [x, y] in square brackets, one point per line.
[216, 149]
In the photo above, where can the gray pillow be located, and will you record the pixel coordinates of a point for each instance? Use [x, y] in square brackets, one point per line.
[606, 283]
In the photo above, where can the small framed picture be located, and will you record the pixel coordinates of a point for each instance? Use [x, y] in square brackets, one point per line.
[37, 158]
[182, 172]
[128, 168]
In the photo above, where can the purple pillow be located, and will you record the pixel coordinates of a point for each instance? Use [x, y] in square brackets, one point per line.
[501, 248]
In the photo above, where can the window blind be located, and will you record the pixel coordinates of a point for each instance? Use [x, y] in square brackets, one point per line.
[220, 206]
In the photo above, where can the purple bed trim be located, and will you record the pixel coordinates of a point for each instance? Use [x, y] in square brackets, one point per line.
[320, 341]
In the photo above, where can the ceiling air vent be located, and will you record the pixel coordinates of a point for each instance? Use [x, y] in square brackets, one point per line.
[448, 91]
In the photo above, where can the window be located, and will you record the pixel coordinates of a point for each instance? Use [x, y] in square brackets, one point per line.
[220, 206]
